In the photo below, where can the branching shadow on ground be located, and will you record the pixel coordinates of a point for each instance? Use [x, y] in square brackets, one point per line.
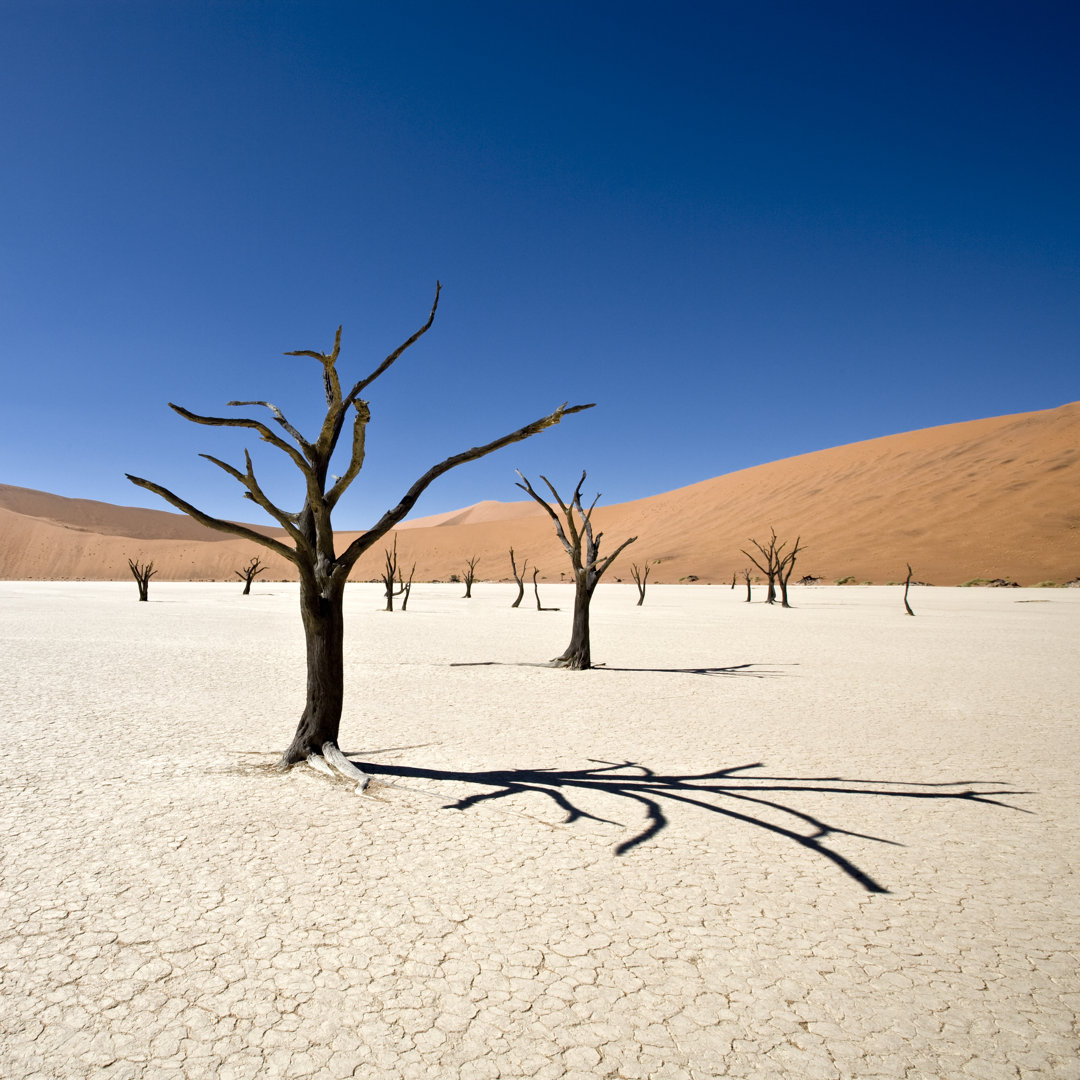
[730, 669]
[746, 799]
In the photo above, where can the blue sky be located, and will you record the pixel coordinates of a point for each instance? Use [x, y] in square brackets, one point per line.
[745, 231]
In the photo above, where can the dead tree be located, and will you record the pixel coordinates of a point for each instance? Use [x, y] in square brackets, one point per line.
[767, 565]
[142, 573]
[583, 547]
[519, 578]
[907, 585]
[640, 576]
[406, 588]
[746, 576]
[323, 571]
[468, 575]
[250, 573]
[536, 589]
[776, 565]
[785, 564]
[733, 574]
[391, 574]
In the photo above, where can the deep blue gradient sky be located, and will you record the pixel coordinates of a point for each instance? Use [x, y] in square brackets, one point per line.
[745, 231]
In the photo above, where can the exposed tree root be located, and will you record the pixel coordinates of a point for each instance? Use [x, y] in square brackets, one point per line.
[332, 759]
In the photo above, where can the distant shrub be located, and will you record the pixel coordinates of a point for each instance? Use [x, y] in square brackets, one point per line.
[689, 577]
[1048, 585]
[974, 581]
[845, 580]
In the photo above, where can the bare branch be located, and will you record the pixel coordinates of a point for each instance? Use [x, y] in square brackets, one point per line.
[279, 416]
[528, 488]
[330, 376]
[611, 558]
[360, 422]
[256, 494]
[397, 352]
[408, 501]
[240, 421]
[233, 527]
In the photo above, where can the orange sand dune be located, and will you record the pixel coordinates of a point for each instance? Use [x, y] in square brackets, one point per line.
[985, 498]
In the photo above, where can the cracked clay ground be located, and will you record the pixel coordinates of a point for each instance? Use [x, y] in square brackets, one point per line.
[821, 843]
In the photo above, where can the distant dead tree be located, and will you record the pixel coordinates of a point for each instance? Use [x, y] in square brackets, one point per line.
[766, 564]
[250, 573]
[390, 576]
[583, 547]
[142, 573]
[519, 578]
[785, 564]
[907, 585]
[406, 587]
[640, 576]
[323, 571]
[746, 577]
[733, 575]
[536, 589]
[468, 575]
[775, 564]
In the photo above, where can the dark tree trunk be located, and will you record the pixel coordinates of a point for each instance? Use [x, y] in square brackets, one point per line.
[783, 592]
[578, 654]
[519, 578]
[321, 611]
[247, 586]
[748, 596]
[907, 585]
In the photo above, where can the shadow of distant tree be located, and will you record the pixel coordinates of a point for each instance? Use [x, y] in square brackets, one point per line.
[746, 670]
[746, 799]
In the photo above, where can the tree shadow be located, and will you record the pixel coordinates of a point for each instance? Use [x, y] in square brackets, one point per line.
[746, 799]
[744, 670]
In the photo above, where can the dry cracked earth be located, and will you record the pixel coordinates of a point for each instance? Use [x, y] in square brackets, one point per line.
[825, 843]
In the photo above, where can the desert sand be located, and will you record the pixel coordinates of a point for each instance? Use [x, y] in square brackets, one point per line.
[993, 498]
[827, 842]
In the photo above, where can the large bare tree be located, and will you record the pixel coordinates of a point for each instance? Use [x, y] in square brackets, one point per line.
[323, 571]
[583, 547]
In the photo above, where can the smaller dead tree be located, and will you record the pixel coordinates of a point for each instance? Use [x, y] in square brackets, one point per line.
[406, 588]
[785, 564]
[640, 576]
[518, 578]
[468, 575]
[775, 564]
[583, 547]
[250, 573]
[766, 564]
[536, 589]
[142, 573]
[907, 585]
[746, 577]
[734, 574]
[391, 575]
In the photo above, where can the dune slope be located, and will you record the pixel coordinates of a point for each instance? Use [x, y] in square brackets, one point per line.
[981, 499]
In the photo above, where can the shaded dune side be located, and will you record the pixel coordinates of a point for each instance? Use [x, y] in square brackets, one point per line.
[985, 498]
